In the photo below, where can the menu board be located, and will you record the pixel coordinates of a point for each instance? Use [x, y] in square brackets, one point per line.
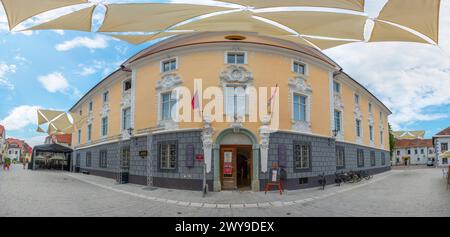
[228, 164]
[274, 177]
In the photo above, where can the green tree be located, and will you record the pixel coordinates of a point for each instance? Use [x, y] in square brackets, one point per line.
[391, 140]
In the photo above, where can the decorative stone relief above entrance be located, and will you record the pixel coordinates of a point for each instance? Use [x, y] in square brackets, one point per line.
[235, 74]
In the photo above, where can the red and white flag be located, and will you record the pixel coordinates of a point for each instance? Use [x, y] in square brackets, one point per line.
[195, 101]
[272, 98]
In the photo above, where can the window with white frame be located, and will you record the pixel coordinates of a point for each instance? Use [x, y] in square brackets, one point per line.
[81, 112]
[89, 132]
[302, 156]
[126, 118]
[340, 157]
[337, 120]
[91, 106]
[169, 65]
[371, 132]
[236, 58]
[372, 158]
[381, 116]
[358, 127]
[168, 155]
[360, 158]
[337, 87]
[167, 104]
[127, 85]
[103, 161]
[300, 107]
[381, 137]
[444, 147]
[79, 136]
[370, 107]
[235, 101]
[88, 159]
[105, 96]
[104, 126]
[299, 68]
[357, 99]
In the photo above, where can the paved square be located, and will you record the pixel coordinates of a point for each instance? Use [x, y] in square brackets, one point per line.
[416, 192]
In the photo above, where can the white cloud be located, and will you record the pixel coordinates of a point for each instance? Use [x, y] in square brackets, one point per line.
[4, 70]
[98, 42]
[408, 78]
[59, 32]
[54, 82]
[20, 117]
[87, 71]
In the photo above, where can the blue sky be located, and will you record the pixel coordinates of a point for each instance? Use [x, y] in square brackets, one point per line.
[52, 69]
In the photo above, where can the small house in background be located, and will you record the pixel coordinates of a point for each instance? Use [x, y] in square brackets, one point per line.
[413, 151]
[440, 142]
[17, 150]
[2, 143]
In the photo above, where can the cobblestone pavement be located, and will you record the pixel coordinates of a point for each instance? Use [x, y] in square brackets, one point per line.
[418, 192]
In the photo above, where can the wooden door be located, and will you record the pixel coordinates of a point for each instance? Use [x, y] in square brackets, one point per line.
[228, 168]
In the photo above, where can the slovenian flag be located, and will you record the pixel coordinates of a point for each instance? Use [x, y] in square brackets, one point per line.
[269, 102]
[195, 101]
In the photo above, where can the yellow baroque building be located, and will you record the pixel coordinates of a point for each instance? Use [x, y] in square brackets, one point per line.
[328, 122]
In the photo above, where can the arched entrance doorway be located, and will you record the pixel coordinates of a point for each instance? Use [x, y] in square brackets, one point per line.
[236, 161]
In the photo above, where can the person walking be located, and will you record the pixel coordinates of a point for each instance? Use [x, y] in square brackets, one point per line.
[24, 163]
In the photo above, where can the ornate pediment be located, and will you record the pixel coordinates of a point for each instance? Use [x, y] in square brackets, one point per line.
[338, 103]
[235, 74]
[299, 85]
[105, 110]
[358, 113]
[126, 99]
[169, 82]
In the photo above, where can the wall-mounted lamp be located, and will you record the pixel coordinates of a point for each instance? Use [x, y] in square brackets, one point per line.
[130, 132]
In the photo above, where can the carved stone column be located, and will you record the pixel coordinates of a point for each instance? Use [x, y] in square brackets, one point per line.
[264, 133]
[207, 138]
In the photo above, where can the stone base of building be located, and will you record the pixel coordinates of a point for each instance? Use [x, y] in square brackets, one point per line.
[188, 173]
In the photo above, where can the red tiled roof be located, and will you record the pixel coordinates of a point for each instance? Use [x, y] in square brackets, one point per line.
[445, 132]
[18, 142]
[411, 143]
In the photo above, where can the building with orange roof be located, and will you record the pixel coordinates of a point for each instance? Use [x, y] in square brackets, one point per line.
[413, 151]
[2, 142]
[441, 142]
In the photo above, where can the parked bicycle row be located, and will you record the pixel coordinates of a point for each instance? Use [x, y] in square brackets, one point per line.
[345, 177]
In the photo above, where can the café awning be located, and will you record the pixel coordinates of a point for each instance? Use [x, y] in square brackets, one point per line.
[18, 11]
[399, 20]
[419, 15]
[236, 21]
[355, 5]
[139, 39]
[383, 31]
[151, 17]
[324, 24]
[80, 20]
